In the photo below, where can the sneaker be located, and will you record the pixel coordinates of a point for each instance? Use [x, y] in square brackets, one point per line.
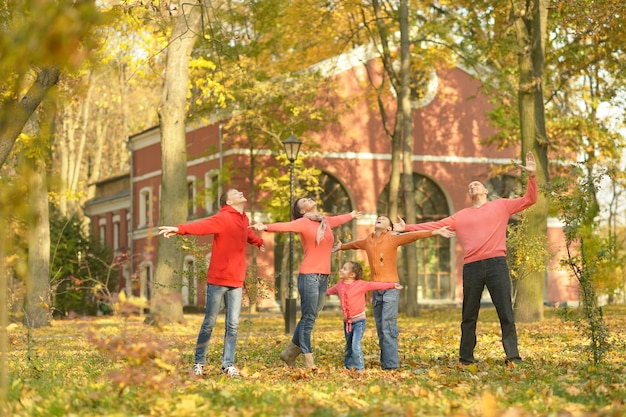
[231, 371]
[198, 369]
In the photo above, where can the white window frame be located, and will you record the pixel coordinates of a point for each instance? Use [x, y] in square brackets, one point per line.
[211, 202]
[145, 209]
[116, 232]
[102, 231]
[191, 203]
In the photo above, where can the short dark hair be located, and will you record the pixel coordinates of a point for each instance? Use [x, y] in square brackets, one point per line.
[295, 210]
[357, 269]
[224, 197]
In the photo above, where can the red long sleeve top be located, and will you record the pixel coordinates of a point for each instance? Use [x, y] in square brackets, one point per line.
[228, 253]
[482, 230]
[352, 295]
[316, 257]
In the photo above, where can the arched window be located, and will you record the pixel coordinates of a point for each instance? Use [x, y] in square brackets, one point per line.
[435, 280]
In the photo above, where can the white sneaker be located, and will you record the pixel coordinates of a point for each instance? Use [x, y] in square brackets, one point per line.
[231, 371]
[198, 369]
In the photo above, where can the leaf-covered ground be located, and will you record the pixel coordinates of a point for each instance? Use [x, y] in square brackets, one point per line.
[121, 367]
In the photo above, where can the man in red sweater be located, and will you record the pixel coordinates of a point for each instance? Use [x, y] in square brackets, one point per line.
[482, 231]
[225, 275]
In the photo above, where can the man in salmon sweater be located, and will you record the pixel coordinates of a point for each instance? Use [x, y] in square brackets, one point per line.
[381, 248]
[225, 275]
[482, 231]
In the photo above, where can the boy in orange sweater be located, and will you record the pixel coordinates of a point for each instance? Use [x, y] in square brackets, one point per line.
[351, 290]
[381, 247]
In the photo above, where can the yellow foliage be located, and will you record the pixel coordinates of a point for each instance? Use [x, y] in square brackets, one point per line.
[488, 405]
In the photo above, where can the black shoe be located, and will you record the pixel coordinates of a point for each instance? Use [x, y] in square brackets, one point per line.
[511, 363]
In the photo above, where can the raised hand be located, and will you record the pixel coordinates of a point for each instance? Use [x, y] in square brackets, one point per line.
[337, 247]
[531, 164]
[400, 226]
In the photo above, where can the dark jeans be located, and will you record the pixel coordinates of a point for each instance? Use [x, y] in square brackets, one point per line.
[312, 289]
[494, 273]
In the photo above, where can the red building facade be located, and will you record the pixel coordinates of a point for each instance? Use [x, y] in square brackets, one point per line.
[354, 157]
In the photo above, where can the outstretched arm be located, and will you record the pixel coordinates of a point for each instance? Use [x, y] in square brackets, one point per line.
[168, 231]
[444, 232]
[258, 226]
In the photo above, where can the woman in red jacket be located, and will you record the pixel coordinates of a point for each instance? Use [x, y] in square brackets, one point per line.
[316, 234]
[225, 275]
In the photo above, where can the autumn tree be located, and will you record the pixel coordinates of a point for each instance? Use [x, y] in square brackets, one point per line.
[530, 22]
[166, 305]
[43, 38]
[408, 43]
[257, 83]
[39, 41]
[546, 94]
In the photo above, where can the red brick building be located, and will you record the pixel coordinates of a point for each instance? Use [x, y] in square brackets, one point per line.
[354, 158]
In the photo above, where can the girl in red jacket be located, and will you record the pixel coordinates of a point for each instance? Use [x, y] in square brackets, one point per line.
[351, 290]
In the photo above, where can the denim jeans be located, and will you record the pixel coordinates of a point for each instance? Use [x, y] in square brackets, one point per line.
[312, 289]
[353, 358]
[232, 301]
[385, 303]
[493, 273]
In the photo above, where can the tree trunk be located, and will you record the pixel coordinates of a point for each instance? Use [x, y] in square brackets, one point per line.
[166, 303]
[17, 114]
[531, 32]
[4, 322]
[37, 301]
[412, 306]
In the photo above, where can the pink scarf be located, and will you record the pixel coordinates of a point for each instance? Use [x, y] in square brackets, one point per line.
[321, 229]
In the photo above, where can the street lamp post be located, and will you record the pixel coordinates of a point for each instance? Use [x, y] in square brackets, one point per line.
[292, 147]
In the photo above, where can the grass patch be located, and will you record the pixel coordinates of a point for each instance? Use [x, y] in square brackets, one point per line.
[122, 367]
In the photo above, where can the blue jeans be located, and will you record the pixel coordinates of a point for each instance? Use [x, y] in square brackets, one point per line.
[354, 350]
[385, 305]
[493, 273]
[312, 289]
[232, 301]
